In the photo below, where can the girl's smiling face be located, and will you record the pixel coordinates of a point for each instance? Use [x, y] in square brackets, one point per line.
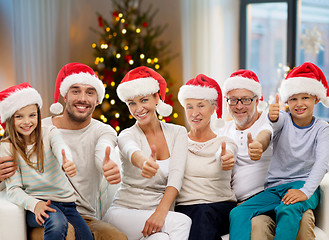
[26, 121]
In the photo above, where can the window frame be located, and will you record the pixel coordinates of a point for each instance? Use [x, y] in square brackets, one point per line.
[291, 30]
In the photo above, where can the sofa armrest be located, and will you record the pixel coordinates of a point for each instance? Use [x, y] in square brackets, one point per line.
[12, 219]
[322, 211]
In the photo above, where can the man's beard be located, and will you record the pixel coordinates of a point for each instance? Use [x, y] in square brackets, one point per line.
[76, 118]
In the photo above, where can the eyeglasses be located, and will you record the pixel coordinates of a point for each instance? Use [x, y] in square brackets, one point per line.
[244, 101]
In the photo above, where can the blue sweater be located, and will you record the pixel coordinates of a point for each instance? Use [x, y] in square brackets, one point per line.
[299, 153]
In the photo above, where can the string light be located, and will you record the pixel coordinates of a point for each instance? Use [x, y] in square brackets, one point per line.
[131, 62]
[108, 29]
[130, 116]
[94, 45]
[114, 69]
[157, 66]
[117, 128]
[167, 90]
[118, 55]
[107, 96]
[149, 60]
[120, 15]
[115, 34]
[175, 115]
[123, 20]
[104, 46]
[160, 117]
[124, 31]
[117, 115]
[112, 84]
[156, 60]
[138, 30]
[142, 56]
[112, 101]
[126, 47]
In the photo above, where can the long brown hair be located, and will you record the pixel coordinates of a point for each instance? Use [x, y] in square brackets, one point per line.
[19, 146]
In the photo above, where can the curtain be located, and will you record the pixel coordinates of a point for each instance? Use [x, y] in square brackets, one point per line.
[210, 38]
[41, 31]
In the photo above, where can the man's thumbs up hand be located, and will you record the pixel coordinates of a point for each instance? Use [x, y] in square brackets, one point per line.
[255, 148]
[110, 169]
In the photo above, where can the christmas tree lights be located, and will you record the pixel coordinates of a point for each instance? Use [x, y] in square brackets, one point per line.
[128, 40]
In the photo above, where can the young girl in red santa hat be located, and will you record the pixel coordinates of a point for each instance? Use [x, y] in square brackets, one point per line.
[153, 155]
[39, 184]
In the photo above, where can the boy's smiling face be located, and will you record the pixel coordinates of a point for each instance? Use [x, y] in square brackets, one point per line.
[301, 107]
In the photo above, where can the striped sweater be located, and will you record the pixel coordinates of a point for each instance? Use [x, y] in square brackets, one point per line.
[27, 186]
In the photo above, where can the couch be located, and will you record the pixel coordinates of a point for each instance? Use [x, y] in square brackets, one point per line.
[12, 217]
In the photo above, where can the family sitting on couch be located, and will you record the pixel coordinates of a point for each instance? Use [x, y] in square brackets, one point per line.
[256, 177]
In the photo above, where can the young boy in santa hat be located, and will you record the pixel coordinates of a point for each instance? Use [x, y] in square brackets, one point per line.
[300, 157]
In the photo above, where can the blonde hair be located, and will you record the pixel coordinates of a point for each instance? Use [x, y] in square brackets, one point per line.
[19, 147]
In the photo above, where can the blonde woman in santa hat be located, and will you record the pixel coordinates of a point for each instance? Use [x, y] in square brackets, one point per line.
[300, 157]
[206, 195]
[153, 155]
[39, 185]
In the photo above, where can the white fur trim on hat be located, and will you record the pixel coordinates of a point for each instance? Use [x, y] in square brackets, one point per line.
[18, 100]
[83, 78]
[296, 85]
[137, 87]
[196, 92]
[238, 82]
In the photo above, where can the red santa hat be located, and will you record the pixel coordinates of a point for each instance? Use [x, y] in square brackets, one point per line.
[245, 79]
[75, 73]
[143, 81]
[203, 87]
[16, 97]
[307, 78]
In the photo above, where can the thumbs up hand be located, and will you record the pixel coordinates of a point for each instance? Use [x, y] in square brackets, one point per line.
[150, 167]
[273, 112]
[255, 148]
[226, 158]
[110, 169]
[68, 166]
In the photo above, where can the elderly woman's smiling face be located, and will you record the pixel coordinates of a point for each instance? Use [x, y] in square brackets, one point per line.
[198, 112]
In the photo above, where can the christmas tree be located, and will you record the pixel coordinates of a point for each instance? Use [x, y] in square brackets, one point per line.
[128, 40]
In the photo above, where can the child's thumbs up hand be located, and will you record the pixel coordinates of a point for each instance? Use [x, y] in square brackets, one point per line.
[150, 167]
[273, 112]
[110, 168]
[226, 158]
[255, 148]
[68, 166]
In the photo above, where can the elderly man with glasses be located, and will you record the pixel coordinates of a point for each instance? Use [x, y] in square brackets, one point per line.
[243, 94]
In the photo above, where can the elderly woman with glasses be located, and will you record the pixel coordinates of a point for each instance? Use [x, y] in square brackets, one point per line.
[206, 195]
